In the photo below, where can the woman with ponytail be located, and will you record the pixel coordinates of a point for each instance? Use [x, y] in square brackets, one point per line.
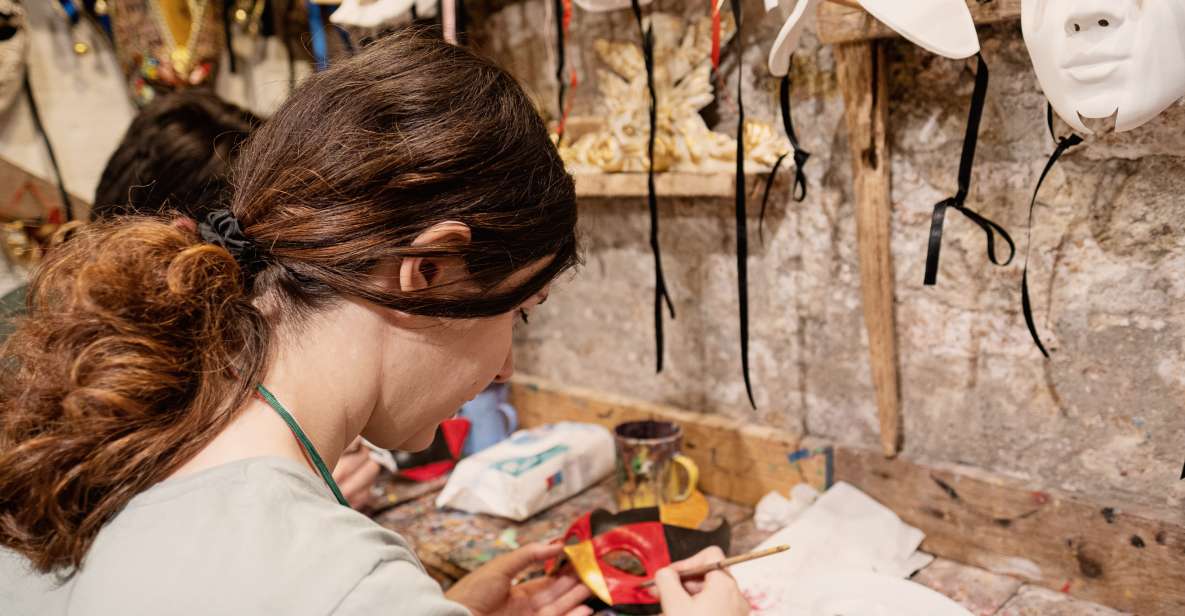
[172, 404]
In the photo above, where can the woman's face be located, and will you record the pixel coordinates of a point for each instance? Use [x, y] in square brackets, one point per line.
[447, 362]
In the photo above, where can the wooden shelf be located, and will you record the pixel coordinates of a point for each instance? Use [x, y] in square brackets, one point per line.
[673, 184]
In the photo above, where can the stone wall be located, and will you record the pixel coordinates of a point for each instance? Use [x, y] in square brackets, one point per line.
[1105, 417]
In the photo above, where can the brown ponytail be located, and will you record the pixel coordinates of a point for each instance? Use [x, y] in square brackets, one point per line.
[141, 342]
[118, 375]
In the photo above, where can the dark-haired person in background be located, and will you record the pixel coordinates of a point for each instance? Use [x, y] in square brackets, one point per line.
[175, 159]
[178, 395]
[176, 154]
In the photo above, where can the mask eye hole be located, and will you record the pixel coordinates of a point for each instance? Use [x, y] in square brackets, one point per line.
[625, 562]
[7, 26]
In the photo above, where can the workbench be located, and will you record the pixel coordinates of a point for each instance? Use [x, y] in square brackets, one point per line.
[452, 543]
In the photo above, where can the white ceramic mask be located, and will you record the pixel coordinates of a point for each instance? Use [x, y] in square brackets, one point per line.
[1098, 58]
[371, 13]
[604, 6]
[944, 27]
[14, 43]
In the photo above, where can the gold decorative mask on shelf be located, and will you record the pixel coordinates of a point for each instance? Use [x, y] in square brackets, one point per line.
[683, 83]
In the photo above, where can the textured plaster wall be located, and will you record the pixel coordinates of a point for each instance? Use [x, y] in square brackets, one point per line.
[1105, 417]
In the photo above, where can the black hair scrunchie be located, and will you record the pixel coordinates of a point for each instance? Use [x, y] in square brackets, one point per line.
[221, 228]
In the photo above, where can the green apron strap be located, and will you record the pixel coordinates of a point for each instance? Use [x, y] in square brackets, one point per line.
[304, 442]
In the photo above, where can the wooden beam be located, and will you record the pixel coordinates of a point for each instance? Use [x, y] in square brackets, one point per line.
[738, 462]
[863, 78]
[1106, 553]
[842, 23]
[667, 184]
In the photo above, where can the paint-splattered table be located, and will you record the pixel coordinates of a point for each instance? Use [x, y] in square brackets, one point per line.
[452, 543]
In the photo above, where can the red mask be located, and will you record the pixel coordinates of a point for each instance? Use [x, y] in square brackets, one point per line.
[440, 457]
[636, 535]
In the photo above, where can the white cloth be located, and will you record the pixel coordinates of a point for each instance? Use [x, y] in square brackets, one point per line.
[844, 533]
[844, 528]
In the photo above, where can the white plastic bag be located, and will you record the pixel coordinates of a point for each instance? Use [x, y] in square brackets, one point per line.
[530, 471]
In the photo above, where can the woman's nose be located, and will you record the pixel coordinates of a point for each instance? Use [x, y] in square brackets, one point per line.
[507, 370]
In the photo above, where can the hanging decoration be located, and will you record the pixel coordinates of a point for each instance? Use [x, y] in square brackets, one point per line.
[39, 125]
[1063, 144]
[244, 22]
[742, 224]
[317, 38]
[664, 84]
[24, 243]
[942, 27]
[800, 157]
[372, 15]
[779, 65]
[72, 13]
[958, 201]
[1101, 59]
[604, 6]
[101, 11]
[789, 36]
[616, 140]
[563, 18]
[946, 28]
[166, 45]
[1095, 61]
[661, 295]
[14, 49]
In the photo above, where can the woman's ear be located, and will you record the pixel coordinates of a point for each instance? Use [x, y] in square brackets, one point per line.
[419, 273]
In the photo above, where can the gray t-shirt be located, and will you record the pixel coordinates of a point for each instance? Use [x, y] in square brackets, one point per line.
[257, 536]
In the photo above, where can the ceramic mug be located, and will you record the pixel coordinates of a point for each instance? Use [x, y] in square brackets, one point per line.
[648, 463]
[491, 418]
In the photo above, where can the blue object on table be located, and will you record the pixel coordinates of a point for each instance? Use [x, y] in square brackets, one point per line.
[491, 418]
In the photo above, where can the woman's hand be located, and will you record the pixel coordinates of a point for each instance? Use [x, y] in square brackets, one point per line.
[355, 474]
[716, 595]
[491, 591]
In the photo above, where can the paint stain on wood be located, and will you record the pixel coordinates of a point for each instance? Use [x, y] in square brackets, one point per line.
[1089, 566]
[934, 513]
[1109, 514]
[1137, 541]
[945, 488]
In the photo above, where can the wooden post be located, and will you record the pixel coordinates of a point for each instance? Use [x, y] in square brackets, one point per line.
[863, 78]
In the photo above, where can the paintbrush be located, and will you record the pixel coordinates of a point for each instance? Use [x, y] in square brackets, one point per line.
[703, 570]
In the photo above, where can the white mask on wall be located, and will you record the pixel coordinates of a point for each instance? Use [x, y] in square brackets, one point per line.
[944, 27]
[14, 44]
[1098, 58]
[604, 6]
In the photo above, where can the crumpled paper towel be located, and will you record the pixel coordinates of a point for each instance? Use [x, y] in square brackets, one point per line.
[775, 511]
[844, 529]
